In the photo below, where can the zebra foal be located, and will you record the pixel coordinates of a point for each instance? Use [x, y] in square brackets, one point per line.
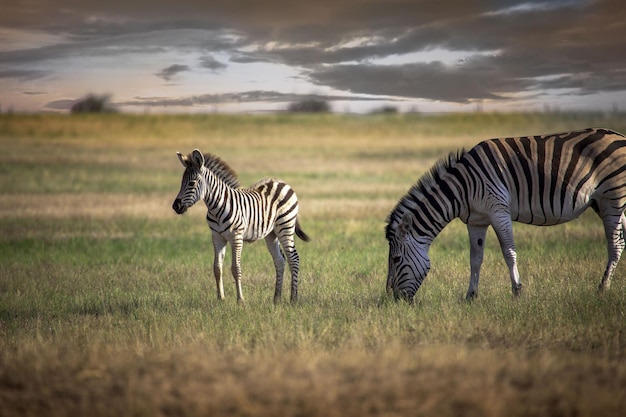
[540, 180]
[267, 209]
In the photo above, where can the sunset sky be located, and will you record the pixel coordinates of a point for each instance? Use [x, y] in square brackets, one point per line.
[254, 55]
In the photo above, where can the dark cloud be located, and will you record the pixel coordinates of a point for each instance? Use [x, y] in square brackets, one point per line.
[586, 83]
[60, 104]
[433, 81]
[170, 72]
[510, 47]
[528, 42]
[146, 43]
[241, 97]
[212, 63]
[23, 75]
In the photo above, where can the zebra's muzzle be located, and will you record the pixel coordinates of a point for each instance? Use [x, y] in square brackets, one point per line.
[178, 206]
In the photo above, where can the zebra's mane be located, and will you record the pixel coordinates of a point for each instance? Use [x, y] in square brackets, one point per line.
[423, 185]
[437, 171]
[261, 182]
[221, 170]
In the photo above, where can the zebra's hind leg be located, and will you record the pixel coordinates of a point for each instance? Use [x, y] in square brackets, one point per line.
[279, 263]
[237, 246]
[219, 248]
[614, 231]
[289, 248]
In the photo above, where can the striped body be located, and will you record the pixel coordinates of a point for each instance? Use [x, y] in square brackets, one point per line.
[539, 180]
[253, 212]
[267, 210]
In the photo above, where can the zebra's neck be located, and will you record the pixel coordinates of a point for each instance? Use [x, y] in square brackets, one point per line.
[215, 195]
[433, 209]
[436, 200]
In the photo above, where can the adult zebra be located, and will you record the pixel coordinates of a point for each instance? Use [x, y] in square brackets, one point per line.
[268, 209]
[539, 180]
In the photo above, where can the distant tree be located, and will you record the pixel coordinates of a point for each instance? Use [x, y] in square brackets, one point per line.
[92, 104]
[309, 105]
[385, 110]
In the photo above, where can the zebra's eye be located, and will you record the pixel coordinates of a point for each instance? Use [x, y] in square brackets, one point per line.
[192, 183]
[396, 259]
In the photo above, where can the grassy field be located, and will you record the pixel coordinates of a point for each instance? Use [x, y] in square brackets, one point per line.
[108, 305]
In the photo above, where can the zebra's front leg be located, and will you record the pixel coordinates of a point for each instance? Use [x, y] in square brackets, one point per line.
[279, 264]
[615, 246]
[503, 227]
[219, 249]
[237, 246]
[477, 236]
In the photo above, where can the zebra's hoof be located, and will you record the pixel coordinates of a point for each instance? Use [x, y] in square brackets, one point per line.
[517, 290]
[471, 295]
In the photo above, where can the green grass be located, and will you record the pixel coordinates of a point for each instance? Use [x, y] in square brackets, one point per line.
[108, 305]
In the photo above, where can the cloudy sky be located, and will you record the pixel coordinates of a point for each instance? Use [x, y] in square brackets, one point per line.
[259, 55]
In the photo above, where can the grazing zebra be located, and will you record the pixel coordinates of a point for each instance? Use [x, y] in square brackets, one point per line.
[268, 209]
[539, 180]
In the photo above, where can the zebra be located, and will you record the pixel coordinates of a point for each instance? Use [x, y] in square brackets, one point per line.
[268, 209]
[540, 180]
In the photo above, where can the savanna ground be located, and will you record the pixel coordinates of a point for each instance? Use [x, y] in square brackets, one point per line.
[108, 305]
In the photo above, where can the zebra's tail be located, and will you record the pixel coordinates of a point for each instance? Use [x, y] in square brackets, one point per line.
[300, 233]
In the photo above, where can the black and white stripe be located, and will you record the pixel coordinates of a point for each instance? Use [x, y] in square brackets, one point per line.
[268, 209]
[540, 180]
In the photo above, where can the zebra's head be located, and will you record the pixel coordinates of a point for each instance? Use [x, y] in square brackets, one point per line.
[408, 259]
[193, 185]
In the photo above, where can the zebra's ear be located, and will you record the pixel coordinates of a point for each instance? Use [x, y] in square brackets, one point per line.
[197, 158]
[405, 226]
[182, 159]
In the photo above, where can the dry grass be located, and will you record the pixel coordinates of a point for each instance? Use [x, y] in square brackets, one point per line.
[107, 306]
[396, 381]
[89, 205]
